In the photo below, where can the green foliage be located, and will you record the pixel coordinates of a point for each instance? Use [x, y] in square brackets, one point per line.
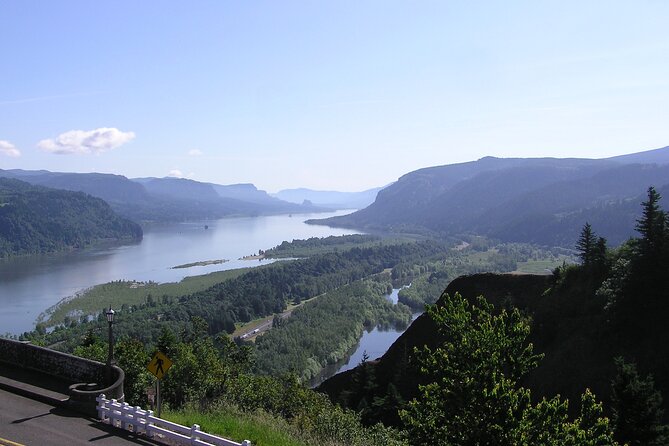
[261, 428]
[208, 381]
[652, 226]
[591, 249]
[473, 396]
[321, 245]
[430, 276]
[257, 293]
[322, 331]
[37, 220]
[123, 293]
[636, 408]
[198, 372]
[133, 359]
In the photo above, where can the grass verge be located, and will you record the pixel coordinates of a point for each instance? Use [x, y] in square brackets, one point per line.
[261, 428]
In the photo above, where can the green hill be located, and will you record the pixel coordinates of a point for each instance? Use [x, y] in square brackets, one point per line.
[36, 219]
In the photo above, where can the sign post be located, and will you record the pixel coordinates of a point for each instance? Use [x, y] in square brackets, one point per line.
[158, 366]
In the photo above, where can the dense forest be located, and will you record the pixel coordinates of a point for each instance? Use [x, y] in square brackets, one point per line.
[323, 331]
[39, 220]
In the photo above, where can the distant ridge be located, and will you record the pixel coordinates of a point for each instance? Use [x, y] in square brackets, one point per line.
[330, 199]
[164, 199]
[657, 156]
[537, 200]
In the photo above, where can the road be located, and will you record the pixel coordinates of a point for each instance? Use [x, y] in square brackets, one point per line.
[27, 422]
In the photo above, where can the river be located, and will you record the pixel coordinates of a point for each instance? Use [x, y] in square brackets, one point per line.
[374, 343]
[30, 285]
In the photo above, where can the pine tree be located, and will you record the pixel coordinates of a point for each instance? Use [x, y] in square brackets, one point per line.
[599, 252]
[637, 408]
[651, 226]
[586, 244]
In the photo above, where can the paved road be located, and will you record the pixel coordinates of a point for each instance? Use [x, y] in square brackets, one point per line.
[27, 422]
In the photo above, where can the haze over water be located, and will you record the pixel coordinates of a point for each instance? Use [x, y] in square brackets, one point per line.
[30, 285]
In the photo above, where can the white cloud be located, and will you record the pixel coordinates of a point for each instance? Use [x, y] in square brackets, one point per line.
[84, 142]
[195, 152]
[8, 149]
[175, 173]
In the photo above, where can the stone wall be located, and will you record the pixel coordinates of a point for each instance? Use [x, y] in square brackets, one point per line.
[88, 378]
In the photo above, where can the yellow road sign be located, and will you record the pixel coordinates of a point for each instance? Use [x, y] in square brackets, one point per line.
[159, 365]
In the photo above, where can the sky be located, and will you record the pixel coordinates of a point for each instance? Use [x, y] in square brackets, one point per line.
[329, 95]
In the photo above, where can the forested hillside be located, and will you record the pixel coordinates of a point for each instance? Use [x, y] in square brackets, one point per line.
[542, 200]
[163, 199]
[600, 325]
[39, 220]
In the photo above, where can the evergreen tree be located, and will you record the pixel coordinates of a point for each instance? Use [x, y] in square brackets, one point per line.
[586, 244]
[599, 252]
[636, 408]
[652, 227]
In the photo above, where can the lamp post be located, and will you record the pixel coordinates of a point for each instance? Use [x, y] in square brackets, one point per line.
[110, 358]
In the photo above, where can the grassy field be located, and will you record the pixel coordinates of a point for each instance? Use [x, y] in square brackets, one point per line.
[540, 266]
[116, 294]
[260, 428]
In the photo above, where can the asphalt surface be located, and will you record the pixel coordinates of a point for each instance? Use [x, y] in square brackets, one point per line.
[28, 422]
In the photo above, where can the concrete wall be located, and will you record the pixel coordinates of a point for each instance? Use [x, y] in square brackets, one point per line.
[87, 377]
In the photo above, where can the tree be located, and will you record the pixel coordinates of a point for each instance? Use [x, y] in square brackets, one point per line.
[133, 358]
[636, 408]
[651, 226]
[599, 252]
[586, 244]
[473, 397]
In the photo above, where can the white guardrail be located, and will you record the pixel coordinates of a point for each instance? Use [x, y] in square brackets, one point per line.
[140, 421]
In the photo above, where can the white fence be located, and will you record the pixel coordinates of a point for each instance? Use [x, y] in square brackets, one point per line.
[138, 420]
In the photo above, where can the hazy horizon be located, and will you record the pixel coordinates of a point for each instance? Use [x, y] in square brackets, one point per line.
[343, 96]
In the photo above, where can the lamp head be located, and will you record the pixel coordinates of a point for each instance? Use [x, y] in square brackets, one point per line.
[110, 315]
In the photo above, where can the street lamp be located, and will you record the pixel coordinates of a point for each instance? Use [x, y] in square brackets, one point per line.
[110, 358]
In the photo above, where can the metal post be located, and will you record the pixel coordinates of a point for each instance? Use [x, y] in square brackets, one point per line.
[110, 356]
[158, 401]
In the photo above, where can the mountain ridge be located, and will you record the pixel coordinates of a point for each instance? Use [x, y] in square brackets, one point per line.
[472, 197]
[164, 199]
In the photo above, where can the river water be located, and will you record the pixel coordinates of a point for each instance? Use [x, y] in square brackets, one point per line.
[30, 285]
[373, 343]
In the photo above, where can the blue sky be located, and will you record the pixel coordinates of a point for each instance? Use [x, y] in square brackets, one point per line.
[343, 95]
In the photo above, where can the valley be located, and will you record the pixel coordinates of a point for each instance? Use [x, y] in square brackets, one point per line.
[293, 313]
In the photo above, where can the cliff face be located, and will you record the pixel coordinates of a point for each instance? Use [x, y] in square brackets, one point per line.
[576, 327]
